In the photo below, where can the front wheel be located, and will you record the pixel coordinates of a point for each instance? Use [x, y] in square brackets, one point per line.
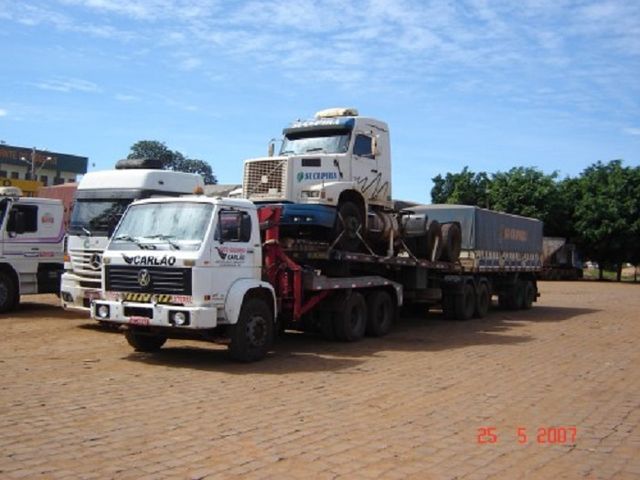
[252, 336]
[144, 342]
[8, 293]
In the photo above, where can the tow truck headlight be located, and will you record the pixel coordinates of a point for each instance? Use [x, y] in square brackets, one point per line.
[102, 311]
[179, 318]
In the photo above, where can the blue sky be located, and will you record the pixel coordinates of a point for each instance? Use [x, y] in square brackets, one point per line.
[552, 84]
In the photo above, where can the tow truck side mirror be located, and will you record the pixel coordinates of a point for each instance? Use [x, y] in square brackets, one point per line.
[272, 148]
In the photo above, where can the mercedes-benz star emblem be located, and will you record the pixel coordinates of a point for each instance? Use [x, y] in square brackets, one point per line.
[95, 261]
[144, 278]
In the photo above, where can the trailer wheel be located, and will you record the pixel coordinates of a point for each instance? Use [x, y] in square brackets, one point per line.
[8, 293]
[449, 306]
[350, 322]
[483, 300]
[516, 299]
[349, 223]
[144, 342]
[529, 295]
[252, 336]
[381, 312]
[465, 304]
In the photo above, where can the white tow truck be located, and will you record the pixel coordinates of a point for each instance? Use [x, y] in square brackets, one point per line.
[31, 246]
[218, 269]
[101, 199]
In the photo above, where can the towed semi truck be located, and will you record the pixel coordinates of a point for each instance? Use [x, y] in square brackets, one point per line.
[31, 246]
[228, 270]
[100, 200]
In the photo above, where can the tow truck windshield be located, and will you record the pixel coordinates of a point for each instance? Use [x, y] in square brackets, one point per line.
[174, 226]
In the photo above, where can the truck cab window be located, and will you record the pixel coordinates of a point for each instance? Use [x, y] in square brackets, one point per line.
[30, 213]
[233, 226]
[362, 146]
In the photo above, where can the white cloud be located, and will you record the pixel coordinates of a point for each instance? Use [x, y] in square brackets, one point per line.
[632, 131]
[67, 85]
[3, 112]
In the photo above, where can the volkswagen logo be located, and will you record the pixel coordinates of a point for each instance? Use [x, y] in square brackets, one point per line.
[144, 278]
[95, 261]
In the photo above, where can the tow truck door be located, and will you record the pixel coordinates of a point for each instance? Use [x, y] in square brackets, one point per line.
[233, 254]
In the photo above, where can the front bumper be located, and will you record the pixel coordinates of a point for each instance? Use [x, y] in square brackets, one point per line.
[75, 297]
[308, 214]
[155, 315]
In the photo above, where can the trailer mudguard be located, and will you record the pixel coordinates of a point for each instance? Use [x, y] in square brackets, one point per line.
[236, 294]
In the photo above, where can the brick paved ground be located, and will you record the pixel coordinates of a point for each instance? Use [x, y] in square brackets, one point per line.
[76, 402]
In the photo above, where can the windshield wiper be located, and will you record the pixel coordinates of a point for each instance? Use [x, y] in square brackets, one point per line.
[86, 231]
[285, 152]
[129, 238]
[315, 149]
[167, 238]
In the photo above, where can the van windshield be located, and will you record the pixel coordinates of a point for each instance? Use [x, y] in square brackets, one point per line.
[96, 216]
[170, 226]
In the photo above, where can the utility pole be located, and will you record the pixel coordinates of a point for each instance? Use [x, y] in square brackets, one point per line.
[33, 174]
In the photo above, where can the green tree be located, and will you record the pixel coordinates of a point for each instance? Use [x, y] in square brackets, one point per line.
[465, 188]
[607, 215]
[172, 160]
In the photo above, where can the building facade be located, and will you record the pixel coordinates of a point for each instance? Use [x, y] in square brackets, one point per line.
[29, 168]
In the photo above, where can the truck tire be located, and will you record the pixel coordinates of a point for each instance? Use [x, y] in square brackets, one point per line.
[430, 245]
[8, 293]
[529, 295]
[449, 306]
[465, 303]
[349, 222]
[516, 298]
[483, 300]
[451, 242]
[252, 337]
[350, 322]
[144, 342]
[381, 313]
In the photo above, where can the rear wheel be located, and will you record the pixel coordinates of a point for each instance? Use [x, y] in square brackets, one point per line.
[381, 312]
[529, 295]
[465, 304]
[8, 292]
[349, 225]
[483, 300]
[144, 342]
[252, 336]
[516, 301]
[350, 322]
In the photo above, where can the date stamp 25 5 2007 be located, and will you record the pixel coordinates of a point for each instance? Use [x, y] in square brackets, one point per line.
[558, 435]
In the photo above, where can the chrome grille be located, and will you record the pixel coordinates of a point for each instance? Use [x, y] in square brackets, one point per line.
[163, 280]
[81, 264]
[265, 178]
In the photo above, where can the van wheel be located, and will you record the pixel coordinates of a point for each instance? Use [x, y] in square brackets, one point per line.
[349, 223]
[381, 313]
[252, 336]
[144, 342]
[465, 304]
[8, 293]
[483, 300]
[350, 322]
